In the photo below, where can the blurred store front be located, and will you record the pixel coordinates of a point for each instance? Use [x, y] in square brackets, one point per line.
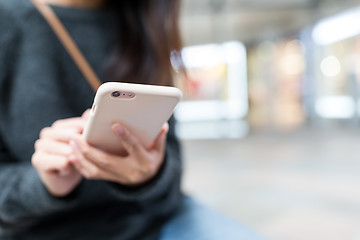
[276, 72]
[270, 121]
[337, 54]
[282, 82]
[216, 97]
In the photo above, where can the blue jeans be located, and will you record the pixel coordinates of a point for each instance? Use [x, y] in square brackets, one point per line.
[196, 222]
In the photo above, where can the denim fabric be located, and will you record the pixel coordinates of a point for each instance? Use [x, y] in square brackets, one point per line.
[195, 221]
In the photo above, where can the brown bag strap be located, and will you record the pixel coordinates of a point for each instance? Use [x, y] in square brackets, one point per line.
[69, 44]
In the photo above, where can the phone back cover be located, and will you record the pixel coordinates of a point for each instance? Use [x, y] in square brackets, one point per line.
[144, 115]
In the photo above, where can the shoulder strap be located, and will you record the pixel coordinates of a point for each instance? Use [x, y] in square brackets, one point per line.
[69, 44]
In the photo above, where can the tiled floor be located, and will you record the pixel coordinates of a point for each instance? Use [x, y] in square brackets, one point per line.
[303, 185]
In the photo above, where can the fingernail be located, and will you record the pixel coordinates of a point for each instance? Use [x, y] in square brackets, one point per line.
[118, 129]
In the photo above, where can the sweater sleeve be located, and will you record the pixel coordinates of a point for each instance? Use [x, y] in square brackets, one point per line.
[22, 194]
[8, 38]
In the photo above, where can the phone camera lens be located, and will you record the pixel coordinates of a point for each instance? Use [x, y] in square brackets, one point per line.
[116, 94]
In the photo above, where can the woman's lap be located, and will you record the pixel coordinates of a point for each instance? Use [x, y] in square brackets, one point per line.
[195, 221]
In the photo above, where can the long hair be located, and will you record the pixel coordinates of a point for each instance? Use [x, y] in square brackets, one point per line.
[148, 33]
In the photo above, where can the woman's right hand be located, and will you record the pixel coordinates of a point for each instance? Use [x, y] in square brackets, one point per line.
[53, 154]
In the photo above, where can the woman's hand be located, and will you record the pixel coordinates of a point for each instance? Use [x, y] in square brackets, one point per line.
[138, 166]
[51, 156]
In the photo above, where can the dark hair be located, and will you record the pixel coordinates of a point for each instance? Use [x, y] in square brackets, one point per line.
[148, 33]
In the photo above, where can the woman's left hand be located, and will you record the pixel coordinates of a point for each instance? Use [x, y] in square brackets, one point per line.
[137, 167]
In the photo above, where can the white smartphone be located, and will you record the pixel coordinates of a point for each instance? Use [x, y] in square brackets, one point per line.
[143, 109]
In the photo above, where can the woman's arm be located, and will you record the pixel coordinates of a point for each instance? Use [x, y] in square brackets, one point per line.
[31, 192]
[23, 196]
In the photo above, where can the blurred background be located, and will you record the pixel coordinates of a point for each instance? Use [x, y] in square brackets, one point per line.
[270, 121]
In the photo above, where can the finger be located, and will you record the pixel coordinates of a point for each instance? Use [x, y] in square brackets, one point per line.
[130, 143]
[88, 158]
[165, 127]
[53, 147]
[78, 123]
[87, 168]
[161, 138]
[67, 171]
[96, 156]
[86, 114]
[160, 141]
[64, 135]
[50, 162]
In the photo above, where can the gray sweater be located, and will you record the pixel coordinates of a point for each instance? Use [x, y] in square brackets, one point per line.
[40, 84]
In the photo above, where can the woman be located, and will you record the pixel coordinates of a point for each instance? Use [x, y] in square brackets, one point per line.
[66, 194]
[72, 190]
